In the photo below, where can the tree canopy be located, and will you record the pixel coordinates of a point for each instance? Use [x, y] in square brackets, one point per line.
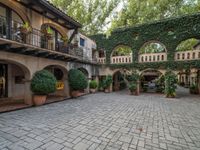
[92, 14]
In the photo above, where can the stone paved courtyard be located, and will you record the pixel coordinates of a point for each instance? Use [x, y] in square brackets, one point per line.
[105, 121]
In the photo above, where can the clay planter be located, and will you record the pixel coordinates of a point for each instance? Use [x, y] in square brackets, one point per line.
[92, 90]
[39, 99]
[107, 91]
[75, 94]
[24, 30]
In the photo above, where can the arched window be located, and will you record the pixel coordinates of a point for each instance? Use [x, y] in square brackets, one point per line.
[122, 50]
[187, 45]
[152, 47]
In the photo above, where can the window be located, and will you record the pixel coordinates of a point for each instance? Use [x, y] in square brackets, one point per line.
[82, 42]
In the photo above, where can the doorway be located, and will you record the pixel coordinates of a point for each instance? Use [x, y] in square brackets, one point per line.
[3, 81]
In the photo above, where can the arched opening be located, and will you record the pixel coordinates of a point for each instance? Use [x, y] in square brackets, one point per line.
[101, 56]
[152, 51]
[62, 87]
[118, 81]
[51, 38]
[14, 85]
[188, 50]
[121, 54]
[148, 80]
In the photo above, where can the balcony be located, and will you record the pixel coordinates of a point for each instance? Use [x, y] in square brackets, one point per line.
[121, 59]
[152, 57]
[36, 44]
[187, 55]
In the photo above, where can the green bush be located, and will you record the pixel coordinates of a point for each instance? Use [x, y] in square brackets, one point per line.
[43, 83]
[77, 80]
[160, 84]
[107, 82]
[132, 86]
[170, 84]
[93, 84]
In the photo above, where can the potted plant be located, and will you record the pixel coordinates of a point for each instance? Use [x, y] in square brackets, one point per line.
[107, 83]
[25, 28]
[77, 82]
[65, 40]
[42, 83]
[133, 88]
[93, 85]
[48, 32]
[194, 89]
[170, 84]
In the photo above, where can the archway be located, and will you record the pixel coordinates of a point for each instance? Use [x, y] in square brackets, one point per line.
[118, 81]
[152, 51]
[149, 78]
[14, 83]
[188, 50]
[62, 86]
[121, 54]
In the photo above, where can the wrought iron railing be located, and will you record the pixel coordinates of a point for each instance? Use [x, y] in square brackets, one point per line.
[37, 38]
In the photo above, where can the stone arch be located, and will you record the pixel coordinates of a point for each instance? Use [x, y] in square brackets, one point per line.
[118, 46]
[55, 26]
[15, 7]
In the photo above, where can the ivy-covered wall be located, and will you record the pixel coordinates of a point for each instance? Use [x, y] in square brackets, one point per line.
[170, 32]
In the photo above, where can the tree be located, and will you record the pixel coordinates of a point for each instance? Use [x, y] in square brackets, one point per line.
[141, 11]
[92, 14]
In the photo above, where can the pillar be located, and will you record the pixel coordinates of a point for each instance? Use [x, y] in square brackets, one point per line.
[28, 94]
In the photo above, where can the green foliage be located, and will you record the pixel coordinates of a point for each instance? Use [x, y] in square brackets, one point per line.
[43, 83]
[122, 51]
[77, 80]
[26, 26]
[134, 77]
[49, 30]
[133, 86]
[187, 45]
[170, 84]
[92, 14]
[93, 84]
[152, 48]
[107, 81]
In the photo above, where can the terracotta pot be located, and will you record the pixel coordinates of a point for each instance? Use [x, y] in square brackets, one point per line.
[92, 90]
[39, 99]
[24, 30]
[107, 91]
[75, 93]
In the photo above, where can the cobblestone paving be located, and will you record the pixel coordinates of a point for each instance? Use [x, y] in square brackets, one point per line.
[105, 121]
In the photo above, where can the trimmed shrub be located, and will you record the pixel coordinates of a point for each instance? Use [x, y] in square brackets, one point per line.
[107, 82]
[43, 83]
[194, 89]
[132, 87]
[77, 80]
[93, 84]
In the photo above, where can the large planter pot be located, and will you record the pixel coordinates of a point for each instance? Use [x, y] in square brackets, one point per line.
[134, 93]
[75, 94]
[107, 90]
[39, 99]
[92, 90]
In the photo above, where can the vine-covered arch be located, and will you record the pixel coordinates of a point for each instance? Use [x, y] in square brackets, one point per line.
[170, 32]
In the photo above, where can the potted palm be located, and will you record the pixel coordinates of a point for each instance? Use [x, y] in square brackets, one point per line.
[170, 84]
[93, 85]
[77, 82]
[133, 88]
[107, 83]
[25, 28]
[42, 83]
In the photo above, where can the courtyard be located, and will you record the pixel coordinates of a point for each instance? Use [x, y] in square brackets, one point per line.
[106, 121]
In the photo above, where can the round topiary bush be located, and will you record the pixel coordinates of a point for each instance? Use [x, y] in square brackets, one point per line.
[77, 80]
[107, 81]
[93, 84]
[43, 83]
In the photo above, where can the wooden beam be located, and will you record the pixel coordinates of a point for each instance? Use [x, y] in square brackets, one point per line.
[72, 36]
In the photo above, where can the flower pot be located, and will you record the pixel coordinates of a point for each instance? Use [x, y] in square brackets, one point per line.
[92, 90]
[75, 93]
[107, 91]
[49, 36]
[39, 99]
[24, 30]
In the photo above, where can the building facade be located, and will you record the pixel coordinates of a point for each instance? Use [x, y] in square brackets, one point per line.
[35, 35]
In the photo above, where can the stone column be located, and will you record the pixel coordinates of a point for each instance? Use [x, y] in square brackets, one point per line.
[28, 94]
